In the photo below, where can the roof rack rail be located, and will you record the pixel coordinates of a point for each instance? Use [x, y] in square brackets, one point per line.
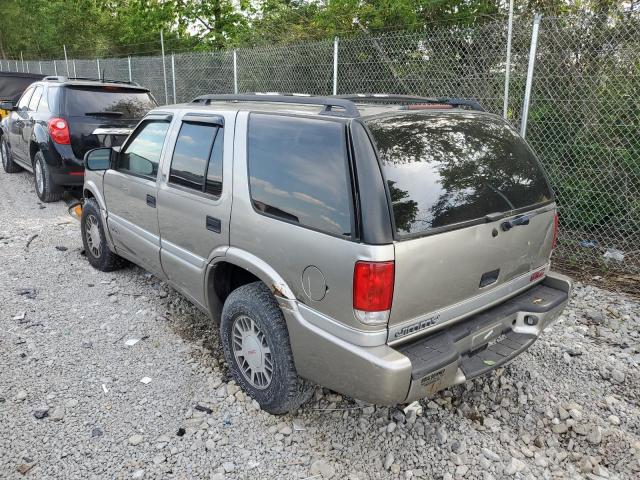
[381, 97]
[62, 78]
[346, 107]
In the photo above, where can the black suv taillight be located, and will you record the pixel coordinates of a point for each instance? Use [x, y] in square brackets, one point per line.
[59, 131]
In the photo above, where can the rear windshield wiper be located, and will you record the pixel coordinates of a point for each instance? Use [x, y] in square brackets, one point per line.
[104, 114]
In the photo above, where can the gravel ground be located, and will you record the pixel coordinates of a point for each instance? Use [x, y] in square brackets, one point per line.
[77, 400]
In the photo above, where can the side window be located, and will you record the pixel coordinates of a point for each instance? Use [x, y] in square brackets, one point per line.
[214, 170]
[24, 100]
[35, 99]
[298, 171]
[197, 158]
[43, 106]
[142, 155]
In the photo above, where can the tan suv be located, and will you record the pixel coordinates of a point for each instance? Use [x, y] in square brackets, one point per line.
[384, 247]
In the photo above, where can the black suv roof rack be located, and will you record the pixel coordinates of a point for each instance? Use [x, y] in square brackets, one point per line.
[61, 78]
[346, 107]
[386, 98]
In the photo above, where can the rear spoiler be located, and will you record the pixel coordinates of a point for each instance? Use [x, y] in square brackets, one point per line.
[112, 131]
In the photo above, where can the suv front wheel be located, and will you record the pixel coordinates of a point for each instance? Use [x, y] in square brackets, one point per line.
[7, 162]
[93, 238]
[257, 349]
[46, 190]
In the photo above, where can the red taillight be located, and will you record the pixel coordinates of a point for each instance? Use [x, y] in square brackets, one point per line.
[59, 131]
[555, 231]
[373, 291]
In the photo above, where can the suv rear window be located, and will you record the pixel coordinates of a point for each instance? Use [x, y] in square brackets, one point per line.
[298, 171]
[114, 102]
[445, 169]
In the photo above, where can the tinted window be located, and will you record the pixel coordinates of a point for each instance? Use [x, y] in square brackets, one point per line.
[446, 169]
[142, 155]
[108, 101]
[214, 171]
[35, 98]
[24, 100]
[43, 106]
[298, 172]
[194, 159]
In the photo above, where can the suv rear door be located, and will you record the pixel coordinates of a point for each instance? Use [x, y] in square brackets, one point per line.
[130, 194]
[89, 107]
[453, 179]
[194, 203]
[16, 124]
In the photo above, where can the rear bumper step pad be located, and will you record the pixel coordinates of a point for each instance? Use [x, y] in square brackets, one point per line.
[484, 341]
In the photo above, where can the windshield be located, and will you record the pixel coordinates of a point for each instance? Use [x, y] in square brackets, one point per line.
[113, 102]
[443, 169]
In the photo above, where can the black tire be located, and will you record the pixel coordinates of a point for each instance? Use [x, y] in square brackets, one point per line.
[98, 253]
[8, 164]
[286, 390]
[46, 189]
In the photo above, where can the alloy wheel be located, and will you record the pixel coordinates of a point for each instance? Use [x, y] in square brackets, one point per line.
[39, 178]
[4, 154]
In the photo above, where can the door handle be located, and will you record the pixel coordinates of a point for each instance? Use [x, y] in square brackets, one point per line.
[151, 201]
[214, 224]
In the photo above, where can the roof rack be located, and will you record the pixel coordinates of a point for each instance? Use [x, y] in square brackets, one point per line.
[61, 78]
[346, 108]
[381, 97]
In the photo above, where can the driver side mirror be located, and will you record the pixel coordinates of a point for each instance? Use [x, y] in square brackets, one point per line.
[7, 106]
[98, 159]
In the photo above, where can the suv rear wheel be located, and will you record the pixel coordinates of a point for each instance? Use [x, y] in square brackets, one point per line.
[7, 162]
[257, 349]
[95, 243]
[46, 190]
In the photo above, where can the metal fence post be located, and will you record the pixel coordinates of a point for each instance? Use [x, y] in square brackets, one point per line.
[40, 66]
[164, 70]
[235, 71]
[129, 63]
[532, 62]
[22, 60]
[66, 60]
[73, 62]
[335, 65]
[173, 76]
[55, 68]
[505, 108]
[98, 62]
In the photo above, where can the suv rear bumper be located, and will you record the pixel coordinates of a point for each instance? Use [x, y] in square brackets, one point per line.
[68, 177]
[404, 373]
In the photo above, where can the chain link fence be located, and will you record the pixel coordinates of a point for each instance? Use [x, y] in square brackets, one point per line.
[583, 118]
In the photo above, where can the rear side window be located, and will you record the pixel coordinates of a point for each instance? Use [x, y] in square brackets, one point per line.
[197, 158]
[35, 99]
[455, 167]
[112, 102]
[298, 171]
[43, 106]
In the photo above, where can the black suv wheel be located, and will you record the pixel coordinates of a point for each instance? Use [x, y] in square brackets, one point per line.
[8, 164]
[257, 349]
[46, 190]
[95, 243]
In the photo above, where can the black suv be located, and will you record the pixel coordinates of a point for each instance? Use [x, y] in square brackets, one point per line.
[57, 120]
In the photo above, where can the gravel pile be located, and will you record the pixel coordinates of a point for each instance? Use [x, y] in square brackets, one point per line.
[117, 376]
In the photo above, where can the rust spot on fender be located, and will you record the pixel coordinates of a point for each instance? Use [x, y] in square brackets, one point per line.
[277, 290]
